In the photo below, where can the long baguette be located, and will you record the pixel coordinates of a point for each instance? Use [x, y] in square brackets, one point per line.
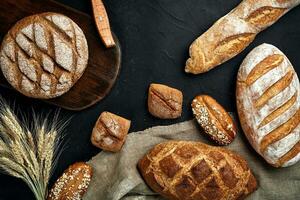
[232, 33]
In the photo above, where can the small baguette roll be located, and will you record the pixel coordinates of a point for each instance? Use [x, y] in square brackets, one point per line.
[234, 32]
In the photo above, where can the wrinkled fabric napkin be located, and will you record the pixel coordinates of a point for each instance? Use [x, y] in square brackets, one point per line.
[116, 176]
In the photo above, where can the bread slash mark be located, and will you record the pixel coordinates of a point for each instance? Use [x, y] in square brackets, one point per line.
[274, 89]
[265, 15]
[280, 132]
[263, 67]
[279, 111]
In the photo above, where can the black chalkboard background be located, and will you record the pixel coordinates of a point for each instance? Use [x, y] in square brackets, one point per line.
[155, 36]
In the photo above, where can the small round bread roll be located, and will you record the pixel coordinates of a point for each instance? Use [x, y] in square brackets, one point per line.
[44, 55]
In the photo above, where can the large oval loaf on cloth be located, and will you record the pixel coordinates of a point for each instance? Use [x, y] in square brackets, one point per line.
[195, 171]
[234, 32]
[268, 105]
[44, 55]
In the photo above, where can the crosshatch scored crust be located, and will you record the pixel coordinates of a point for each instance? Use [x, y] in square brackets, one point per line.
[193, 170]
[232, 33]
[44, 55]
[269, 106]
[213, 118]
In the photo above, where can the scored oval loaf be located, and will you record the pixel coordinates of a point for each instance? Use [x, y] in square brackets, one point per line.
[232, 33]
[195, 171]
[268, 105]
[44, 55]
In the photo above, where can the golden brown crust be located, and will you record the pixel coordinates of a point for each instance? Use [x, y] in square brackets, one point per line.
[232, 33]
[265, 15]
[275, 89]
[289, 155]
[213, 118]
[44, 55]
[164, 102]
[208, 173]
[280, 132]
[263, 67]
[73, 184]
[279, 111]
[110, 132]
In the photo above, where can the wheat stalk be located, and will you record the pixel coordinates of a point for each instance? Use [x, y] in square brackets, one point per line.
[29, 155]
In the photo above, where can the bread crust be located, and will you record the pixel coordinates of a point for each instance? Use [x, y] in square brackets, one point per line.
[193, 170]
[110, 132]
[73, 183]
[214, 120]
[44, 55]
[164, 102]
[232, 33]
[272, 125]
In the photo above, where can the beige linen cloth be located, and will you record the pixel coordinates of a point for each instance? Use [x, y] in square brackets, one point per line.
[116, 176]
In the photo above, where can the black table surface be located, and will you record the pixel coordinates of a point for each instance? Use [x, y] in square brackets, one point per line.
[154, 36]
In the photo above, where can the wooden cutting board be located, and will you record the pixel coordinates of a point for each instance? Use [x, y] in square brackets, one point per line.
[103, 66]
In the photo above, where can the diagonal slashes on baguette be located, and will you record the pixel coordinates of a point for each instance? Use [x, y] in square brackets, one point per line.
[232, 33]
[232, 44]
[265, 15]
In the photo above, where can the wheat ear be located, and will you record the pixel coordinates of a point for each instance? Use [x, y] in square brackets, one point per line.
[28, 155]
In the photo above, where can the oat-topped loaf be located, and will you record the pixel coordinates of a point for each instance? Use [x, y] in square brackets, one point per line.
[44, 55]
[73, 183]
[181, 170]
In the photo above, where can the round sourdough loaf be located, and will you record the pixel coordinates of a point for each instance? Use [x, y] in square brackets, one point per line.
[268, 105]
[44, 55]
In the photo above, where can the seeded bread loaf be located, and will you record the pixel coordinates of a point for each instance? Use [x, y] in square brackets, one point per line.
[44, 55]
[214, 120]
[269, 105]
[234, 32]
[195, 171]
[73, 184]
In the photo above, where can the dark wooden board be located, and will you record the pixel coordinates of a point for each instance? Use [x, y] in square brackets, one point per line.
[103, 66]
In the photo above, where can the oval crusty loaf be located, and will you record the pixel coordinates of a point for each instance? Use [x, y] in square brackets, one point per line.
[73, 184]
[214, 120]
[268, 105]
[44, 55]
[193, 170]
[234, 32]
